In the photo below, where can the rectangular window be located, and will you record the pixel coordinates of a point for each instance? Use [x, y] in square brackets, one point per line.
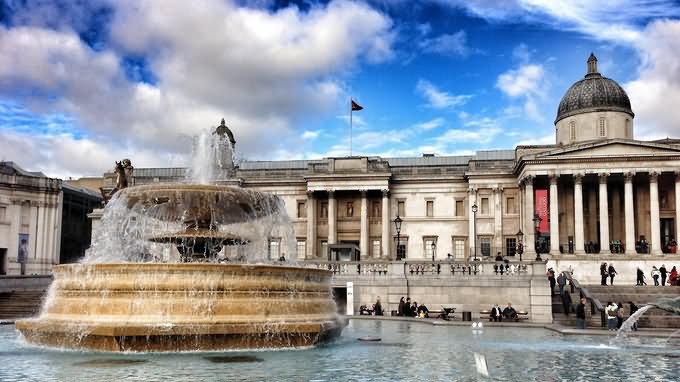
[510, 206]
[375, 209]
[402, 247]
[324, 249]
[429, 208]
[274, 249]
[350, 209]
[485, 206]
[301, 210]
[459, 248]
[401, 208]
[323, 210]
[25, 213]
[460, 208]
[485, 246]
[301, 249]
[375, 249]
[603, 127]
[510, 246]
[572, 130]
[3, 213]
[430, 249]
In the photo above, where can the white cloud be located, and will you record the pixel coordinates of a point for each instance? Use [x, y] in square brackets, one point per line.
[527, 81]
[446, 44]
[655, 95]
[480, 135]
[439, 99]
[310, 135]
[429, 125]
[258, 69]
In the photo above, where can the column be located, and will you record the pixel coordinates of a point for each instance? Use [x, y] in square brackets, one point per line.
[363, 238]
[604, 214]
[471, 223]
[311, 225]
[554, 216]
[578, 214]
[529, 229]
[629, 213]
[498, 220]
[385, 237]
[332, 219]
[654, 212]
[677, 206]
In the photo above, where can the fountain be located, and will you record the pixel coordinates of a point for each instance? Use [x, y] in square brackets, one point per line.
[129, 295]
[671, 305]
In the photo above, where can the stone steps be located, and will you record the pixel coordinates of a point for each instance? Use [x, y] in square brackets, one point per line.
[20, 304]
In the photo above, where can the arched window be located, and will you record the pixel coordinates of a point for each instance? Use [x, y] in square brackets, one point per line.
[602, 127]
[572, 131]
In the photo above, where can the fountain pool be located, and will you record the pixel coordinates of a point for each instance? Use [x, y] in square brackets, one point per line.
[409, 351]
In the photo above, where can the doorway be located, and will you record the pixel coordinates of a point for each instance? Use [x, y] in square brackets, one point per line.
[340, 297]
[3, 261]
[667, 234]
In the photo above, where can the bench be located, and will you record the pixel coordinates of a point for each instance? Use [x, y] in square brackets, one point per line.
[521, 315]
[443, 313]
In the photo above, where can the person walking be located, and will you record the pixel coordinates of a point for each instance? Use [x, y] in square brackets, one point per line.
[640, 277]
[400, 308]
[612, 272]
[603, 273]
[655, 275]
[566, 302]
[561, 282]
[581, 314]
[619, 315]
[664, 273]
[551, 279]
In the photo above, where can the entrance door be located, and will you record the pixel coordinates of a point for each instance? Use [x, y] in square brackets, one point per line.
[3, 261]
[340, 297]
[667, 233]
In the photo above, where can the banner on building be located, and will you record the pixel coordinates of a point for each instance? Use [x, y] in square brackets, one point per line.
[22, 255]
[542, 210]
[350, 298]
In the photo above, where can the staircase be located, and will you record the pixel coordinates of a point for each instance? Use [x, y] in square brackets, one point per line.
[640, 295]
[20, 304]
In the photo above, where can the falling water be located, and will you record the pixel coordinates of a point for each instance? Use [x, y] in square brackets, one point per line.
[212, 158]
[667, 304]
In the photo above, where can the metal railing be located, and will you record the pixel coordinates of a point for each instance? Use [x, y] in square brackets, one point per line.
[421, 268]
[595, 304]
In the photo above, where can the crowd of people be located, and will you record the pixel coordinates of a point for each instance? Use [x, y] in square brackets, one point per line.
[659, 275]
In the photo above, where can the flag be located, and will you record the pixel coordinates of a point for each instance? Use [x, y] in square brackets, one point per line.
[356, 106]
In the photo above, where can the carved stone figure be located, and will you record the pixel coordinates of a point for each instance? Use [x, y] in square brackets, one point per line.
[123, 171]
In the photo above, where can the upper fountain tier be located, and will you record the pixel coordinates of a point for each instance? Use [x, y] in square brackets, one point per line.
[200, 205]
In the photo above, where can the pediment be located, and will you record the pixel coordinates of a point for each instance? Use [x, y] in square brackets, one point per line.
[611, 149]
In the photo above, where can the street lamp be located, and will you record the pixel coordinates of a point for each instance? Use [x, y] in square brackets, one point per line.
[397, 227]
[537, 223]
[434, 249]
[474, 228]
[520, 245]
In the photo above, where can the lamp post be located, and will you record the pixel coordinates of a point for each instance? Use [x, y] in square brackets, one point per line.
[397, 227]
[537, 223]
[434, 249]
[520, 245]
[474, 228]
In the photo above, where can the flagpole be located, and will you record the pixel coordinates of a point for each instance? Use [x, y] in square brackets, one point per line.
[350, 126]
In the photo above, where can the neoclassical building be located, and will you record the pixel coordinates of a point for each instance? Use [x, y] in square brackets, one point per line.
[595, 192]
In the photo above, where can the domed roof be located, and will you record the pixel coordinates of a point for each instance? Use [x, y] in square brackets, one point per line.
[593, 93]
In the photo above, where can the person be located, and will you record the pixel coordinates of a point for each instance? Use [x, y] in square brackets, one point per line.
[640, 277]
[363, 311]
[282, 257]
[499, 257]
[673, 276]
[414, 309]
[400, 308]
[551, 279]
[561, 282]
[22, 258]
[633, 309]
[407, 307]
[663, 273]
[377, 308]
[612, 272]
[509, 312]
[603, 273]
[610, 310]
[566, 302]
[423, 312]
[496, 315]
[581, 314]
[619, 315]
[655, 275]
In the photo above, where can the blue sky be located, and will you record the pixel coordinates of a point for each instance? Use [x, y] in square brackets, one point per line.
[84, 83]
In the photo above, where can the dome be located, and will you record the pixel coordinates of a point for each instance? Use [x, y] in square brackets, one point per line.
[593, 93]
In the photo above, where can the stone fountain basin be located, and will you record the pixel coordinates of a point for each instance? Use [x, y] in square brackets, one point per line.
[178, 307]
[198, 203]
